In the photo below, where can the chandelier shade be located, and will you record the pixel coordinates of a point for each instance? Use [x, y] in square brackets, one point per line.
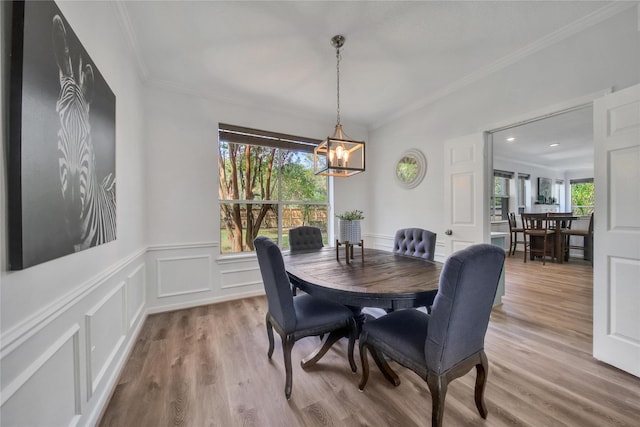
[338, 155]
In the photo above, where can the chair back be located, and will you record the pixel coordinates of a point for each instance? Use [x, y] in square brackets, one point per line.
[591, 223]
[460, 312]
[276, 283]
[565, 223]
[415, 242]
[513, 222]
[305, 238]
[534, 221]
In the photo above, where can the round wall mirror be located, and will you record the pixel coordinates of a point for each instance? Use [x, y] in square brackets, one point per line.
[411, 168]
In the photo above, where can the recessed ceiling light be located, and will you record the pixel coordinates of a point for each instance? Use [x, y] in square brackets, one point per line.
[555, 144]
[511, 139]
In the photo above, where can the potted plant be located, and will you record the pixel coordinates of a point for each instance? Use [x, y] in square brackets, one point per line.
[349, 227]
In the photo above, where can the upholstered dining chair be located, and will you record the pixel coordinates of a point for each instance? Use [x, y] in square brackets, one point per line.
[513, 233]
[305, 238]
[449, 342]
[536, 226]
[415, 242]
[296, 317]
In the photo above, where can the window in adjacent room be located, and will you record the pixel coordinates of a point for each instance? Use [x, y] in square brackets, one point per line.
[522, 191]
[582, 196]
[558, 193]
[500, 198]
[267, 186]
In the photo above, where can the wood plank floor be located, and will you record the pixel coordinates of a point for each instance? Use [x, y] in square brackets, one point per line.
[208, 366]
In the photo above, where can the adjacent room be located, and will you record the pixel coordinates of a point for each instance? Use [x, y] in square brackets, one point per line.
[271, 213]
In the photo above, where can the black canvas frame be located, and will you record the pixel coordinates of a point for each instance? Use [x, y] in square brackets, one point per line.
[38, 211]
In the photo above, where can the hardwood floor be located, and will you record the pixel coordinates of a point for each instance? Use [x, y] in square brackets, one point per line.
[208, 366]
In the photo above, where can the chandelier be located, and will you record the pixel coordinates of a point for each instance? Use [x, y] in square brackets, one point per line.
[338, 155]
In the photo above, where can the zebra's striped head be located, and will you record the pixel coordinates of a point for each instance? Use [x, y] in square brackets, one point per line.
[76, 161]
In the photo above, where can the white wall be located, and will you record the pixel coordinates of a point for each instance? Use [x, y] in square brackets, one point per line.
[535, 171]
[67, 323]
[185, 266]
[600, 57]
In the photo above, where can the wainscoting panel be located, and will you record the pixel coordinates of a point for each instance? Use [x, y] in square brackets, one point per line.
[47, 392]
[183, 275]
[59, 365]
[106, 326]
[187, 275]
[136, 294]
[241, 277]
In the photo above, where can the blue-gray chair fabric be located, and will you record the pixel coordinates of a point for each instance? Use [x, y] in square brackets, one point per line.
[415, 242]
[305, 238]
[434, 345]
[296, 317]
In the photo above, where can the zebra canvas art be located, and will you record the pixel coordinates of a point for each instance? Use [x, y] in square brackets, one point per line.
[62, 185]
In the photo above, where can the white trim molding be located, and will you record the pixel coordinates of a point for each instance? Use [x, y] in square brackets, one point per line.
[94, 380]
[160, 275]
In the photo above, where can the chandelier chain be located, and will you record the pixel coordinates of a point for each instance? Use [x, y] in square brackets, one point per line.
[338, 57]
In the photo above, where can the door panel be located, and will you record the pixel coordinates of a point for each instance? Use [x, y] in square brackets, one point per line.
[616, 288]
[464, 205]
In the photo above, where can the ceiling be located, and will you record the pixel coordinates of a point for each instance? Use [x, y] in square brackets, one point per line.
[398, 55]
[572, 131]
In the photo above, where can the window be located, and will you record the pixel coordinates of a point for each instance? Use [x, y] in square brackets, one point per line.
[500, 198]
[266, 187]
[558, 193]
[522, 191]
[582, 196]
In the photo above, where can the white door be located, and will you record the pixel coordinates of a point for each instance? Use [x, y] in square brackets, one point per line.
[466, 200]
[616, 275]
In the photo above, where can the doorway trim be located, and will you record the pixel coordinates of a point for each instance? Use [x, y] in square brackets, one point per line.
[546, 112]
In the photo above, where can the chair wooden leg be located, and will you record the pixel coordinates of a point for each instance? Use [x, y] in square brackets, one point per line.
[365, 366]
[287, 346]
[353, 335]
[269, 335]
[438, 387]
[544, 250]
[525, 248]
[384, 367]
[482, 370]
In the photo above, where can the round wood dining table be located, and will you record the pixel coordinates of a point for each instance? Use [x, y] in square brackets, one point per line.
[379, 279]
[382, 279]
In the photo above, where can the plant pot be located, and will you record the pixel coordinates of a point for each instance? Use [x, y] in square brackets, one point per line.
[349, 231]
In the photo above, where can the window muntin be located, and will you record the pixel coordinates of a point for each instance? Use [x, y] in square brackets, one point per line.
[267, 189]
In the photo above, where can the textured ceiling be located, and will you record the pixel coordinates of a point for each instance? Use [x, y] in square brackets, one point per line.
[397, 56]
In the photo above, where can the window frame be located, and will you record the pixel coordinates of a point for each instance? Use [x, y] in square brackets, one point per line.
[232, 134]
[503, 197]
[589, 208]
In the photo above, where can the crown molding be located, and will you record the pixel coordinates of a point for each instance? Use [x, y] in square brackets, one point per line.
[241, 102]
[130, 37]
[559, 35]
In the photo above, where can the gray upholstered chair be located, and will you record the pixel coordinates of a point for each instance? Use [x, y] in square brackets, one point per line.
[300, 316]
[305, 238]
[449, 342]
[415, 242]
